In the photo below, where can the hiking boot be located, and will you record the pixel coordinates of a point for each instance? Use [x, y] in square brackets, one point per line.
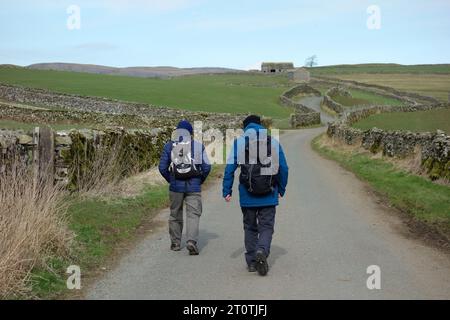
[261, 263]
[175, 247]
[192, 248]
[252, 268]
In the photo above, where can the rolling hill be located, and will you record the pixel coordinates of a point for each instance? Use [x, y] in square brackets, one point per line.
[142, 72]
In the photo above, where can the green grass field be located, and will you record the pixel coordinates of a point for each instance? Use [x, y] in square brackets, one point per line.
[364, 98]
[434, 85]
[234, 93]
[421, 121]
[381, 68]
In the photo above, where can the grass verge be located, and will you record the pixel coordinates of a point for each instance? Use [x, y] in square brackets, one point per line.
[423, 200]
[101, 226]
[33, 225]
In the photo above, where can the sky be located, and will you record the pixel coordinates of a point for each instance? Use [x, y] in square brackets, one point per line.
[234, 33]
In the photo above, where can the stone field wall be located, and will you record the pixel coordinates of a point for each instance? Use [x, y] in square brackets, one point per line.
[70, 155]
[302, 116]
[432, 148]
[79, 106]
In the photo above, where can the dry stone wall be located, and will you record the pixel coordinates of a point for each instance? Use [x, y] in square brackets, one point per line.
[301, 89]
[302, 116]
[13, 112]
[330, 103]
[357, 115]
[79, 106]
[18, 146]
[305, 119]
[71, 154]
[339, 91]
[333, 105]
[433, 148]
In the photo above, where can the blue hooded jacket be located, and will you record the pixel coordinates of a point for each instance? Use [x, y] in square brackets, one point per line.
[246, 199]
[191, 185]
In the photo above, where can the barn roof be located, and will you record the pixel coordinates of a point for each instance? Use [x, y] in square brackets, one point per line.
[284, 64]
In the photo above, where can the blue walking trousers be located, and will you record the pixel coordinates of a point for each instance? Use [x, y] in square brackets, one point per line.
[259, 225]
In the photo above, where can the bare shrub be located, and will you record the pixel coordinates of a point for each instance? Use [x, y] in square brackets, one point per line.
[100, 171]
[135, 184]
[33, 226]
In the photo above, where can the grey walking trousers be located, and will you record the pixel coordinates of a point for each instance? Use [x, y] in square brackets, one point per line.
[193, 203]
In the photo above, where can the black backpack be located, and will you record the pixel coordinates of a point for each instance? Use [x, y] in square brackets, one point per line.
[183, 166]
[251, 177]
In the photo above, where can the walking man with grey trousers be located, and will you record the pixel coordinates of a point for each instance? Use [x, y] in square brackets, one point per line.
[185, 166]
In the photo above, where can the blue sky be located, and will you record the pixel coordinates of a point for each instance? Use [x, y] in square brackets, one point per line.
[233, 33]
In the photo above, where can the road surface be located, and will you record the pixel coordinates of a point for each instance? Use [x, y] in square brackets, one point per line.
[314, 103]
[329, 231]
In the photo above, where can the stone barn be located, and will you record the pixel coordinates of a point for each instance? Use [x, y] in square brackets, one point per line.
[299, 75]
[276, 67]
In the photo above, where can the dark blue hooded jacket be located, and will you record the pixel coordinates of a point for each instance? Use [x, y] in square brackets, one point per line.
[245, 198]
[185, 186]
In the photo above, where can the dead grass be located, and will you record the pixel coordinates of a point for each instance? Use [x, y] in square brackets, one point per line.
[134, 185]
[33, 227]
[108, 176]
[100, 175]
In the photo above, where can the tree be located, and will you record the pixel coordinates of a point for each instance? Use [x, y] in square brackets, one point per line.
[311, 61]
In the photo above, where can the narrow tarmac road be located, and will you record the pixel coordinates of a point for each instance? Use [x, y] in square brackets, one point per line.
[329, 230]
[314, 103]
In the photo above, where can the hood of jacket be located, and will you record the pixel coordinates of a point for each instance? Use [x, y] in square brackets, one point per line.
[255, 127]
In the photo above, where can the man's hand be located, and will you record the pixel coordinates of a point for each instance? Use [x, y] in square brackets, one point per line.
[228, 198]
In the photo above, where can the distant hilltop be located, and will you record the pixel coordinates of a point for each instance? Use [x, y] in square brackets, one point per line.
[143, 72]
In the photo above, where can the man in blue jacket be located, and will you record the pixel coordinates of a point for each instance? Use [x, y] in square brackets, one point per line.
[185, 166]
[258, 209]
